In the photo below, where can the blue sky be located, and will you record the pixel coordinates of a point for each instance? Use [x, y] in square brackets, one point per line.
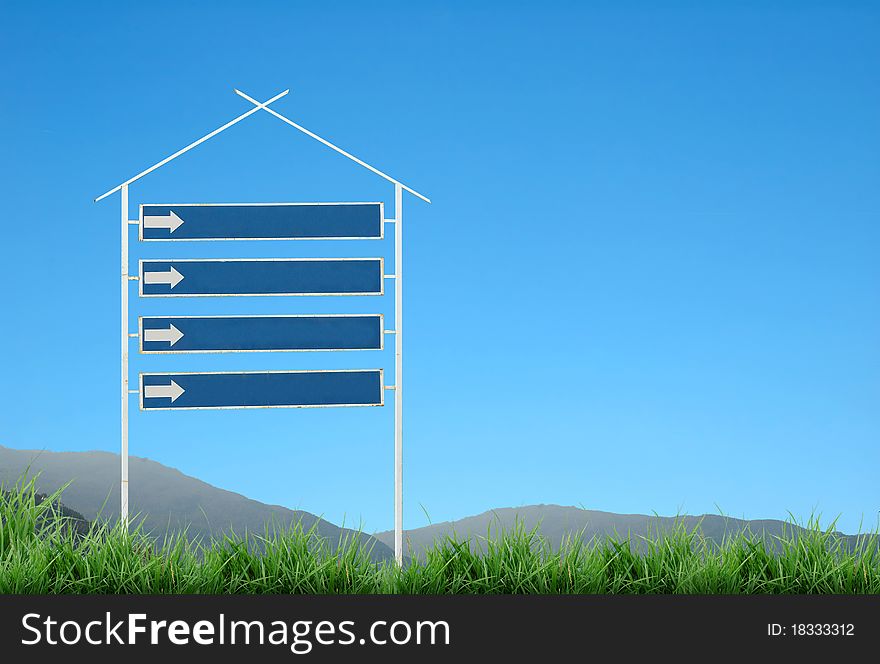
[648, 281]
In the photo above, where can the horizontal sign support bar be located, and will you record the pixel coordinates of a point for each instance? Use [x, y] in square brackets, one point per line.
[239, 334]
[266, 389]
[262, 221]
[261, 276]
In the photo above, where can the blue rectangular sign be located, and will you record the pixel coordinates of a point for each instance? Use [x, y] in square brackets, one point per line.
[218, 334]
[256, 276]
[262, 221]
[266, 389]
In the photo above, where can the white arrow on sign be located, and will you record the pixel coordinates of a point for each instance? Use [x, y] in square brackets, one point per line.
[171, 221]
[172, 391]
[172, 277]
[172, 335]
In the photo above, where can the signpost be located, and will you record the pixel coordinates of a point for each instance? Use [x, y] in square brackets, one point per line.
[261, 276]
[261, 389]
[199, 277]
[262, 221]
[237, 334]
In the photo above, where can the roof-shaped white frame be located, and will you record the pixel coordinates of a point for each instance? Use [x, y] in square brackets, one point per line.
[261, 106]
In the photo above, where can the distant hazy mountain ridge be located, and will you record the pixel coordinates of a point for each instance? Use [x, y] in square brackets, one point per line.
[166, 499]
[72, 519]
[556, 522]
[169, 501]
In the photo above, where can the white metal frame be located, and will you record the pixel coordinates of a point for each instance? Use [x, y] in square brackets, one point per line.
[141, 237]
[399, 187]
[398, 373]
[123, 484]
[265, 107]
[192, 145]
[256, 373]
[257, 260]
[171, 350]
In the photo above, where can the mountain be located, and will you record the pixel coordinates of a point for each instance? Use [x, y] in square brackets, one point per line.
[164, 498]
[168, 501]
[72, 519]
[555, 522]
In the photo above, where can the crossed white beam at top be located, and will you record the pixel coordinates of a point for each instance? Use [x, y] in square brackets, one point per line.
[191, 146]
[264, 106]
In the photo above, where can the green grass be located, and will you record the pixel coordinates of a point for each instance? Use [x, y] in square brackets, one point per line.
[40, 553]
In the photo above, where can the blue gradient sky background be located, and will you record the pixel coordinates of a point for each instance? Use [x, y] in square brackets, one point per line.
[649, 279]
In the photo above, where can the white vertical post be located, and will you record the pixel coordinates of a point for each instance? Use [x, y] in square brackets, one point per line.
[398, 374]
[123, 485]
